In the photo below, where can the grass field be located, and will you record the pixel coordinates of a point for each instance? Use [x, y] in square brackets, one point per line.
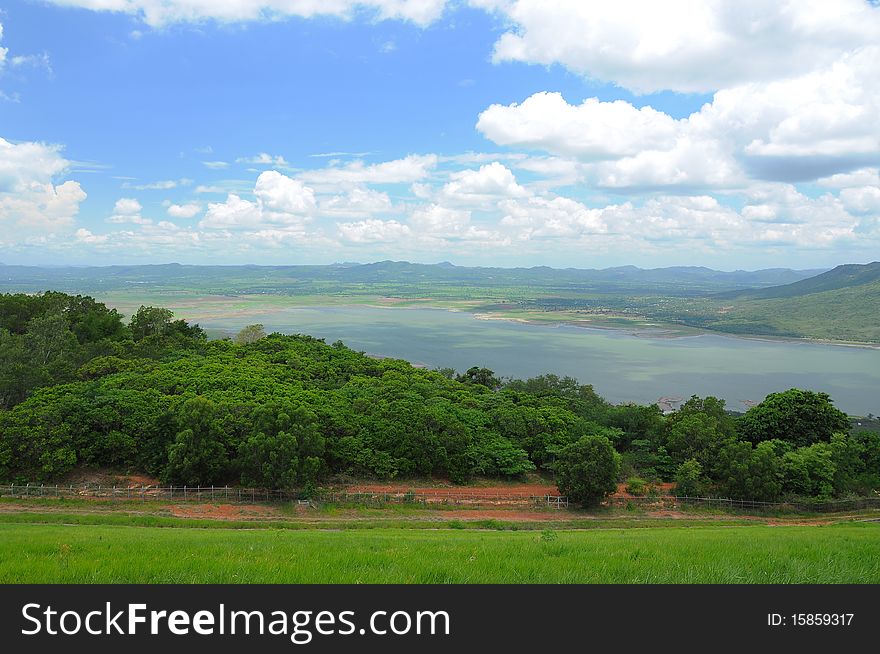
[127, 553]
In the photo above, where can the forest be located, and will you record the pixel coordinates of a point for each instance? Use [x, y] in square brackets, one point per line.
[80, 387]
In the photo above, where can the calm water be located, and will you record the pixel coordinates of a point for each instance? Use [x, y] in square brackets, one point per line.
[620, 365]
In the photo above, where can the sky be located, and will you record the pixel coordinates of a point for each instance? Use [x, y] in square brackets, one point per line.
[571, 133]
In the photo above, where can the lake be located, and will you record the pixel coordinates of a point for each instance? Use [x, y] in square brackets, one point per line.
[620, 364]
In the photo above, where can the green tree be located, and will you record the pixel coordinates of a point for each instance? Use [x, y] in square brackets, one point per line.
[198, 454]
[480, 376]
[150, 321]
[269, 461]
[250, 334]
[696, 435]
[796, 416]
[586, 471]
[809, 471]
[689, 481]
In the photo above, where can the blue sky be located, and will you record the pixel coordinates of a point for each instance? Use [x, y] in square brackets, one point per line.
[496, 133]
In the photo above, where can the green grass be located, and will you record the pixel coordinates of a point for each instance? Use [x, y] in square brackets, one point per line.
[48, 553]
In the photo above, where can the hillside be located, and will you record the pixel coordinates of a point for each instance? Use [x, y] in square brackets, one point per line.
[841, 304]
[846, 276]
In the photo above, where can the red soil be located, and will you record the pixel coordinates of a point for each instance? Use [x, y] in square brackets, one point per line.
[477, 492]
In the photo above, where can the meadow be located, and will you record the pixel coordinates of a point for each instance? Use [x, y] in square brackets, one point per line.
[69, 553]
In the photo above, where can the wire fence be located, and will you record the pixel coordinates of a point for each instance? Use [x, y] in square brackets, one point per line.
[239, 495]
[234, 494]
[833, 506]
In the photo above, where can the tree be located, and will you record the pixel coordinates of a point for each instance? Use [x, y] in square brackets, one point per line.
[149, 321]
[481, 376]
[797, 416]
[198, 455]
[697, 436]
[689, 479]
[586, 471]
[746, 472]
[809, 471]
[269, 461]
[250, 334]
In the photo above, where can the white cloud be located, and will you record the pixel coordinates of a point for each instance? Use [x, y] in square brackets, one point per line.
[862, 199]
[162, 12]
[436, 220]
[279, 200]
[3, 51]
[188, 210]
[411, 168]
[687, 45]
[282, 194]
[539, 217]
[861, 177]
[474, 187]
[357, 202]
[127, 207]
[128, 211]
[85, 236]
[263, 159]
[591, 130]
[29, 199]
[373, 231]
[235, 212]
[799, 129]
[162, 185]
[216, 165]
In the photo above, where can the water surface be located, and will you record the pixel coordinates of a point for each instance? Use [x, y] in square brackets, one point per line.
[621, 365]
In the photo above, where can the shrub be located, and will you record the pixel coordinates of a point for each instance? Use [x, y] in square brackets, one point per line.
[586, 471]
[637, 486]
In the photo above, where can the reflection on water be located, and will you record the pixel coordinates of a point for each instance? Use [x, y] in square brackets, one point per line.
[620, 365]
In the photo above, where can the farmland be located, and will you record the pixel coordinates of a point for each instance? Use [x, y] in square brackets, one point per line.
[707, 551]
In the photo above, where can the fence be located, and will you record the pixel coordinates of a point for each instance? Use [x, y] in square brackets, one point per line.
[239, 495]
[145, 493]
[835, 506]
[252, 495]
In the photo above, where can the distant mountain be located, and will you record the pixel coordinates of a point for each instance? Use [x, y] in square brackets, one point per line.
[394, 276]
[842, 277]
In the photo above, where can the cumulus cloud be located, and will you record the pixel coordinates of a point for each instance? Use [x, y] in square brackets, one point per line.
[279, 200]
[373, 230]
[798, 129]
[540, 217]
[688, 45]
[30, 201]
[162, 12]
[281, 194]
[128, 211]
[591, 130]
[188, 210]
[474, 187]
[360, 201]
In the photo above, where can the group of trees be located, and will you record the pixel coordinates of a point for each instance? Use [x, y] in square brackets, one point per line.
[79, 387]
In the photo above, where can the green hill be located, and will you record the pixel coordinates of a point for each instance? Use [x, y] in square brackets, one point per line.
[842, 277]
[841, 304]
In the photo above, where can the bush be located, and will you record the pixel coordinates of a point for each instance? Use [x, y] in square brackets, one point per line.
[637, 486]
[689, 479]
[586, 471]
